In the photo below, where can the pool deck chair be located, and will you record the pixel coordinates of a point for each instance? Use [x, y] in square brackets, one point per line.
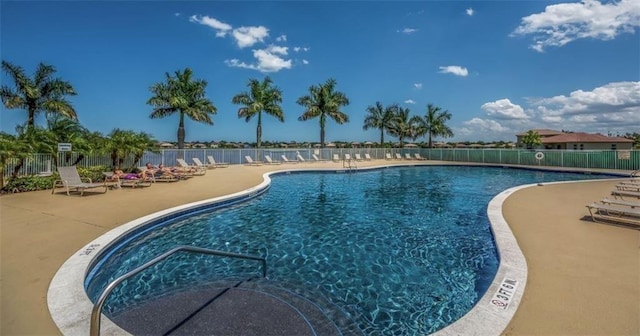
[398, 156]
[336, 158]
[358, 157]
[70, 180]
[407, 156]
[213, 162]
[603, 212]
[624, 193]
[202, 165]
[250, 161]
[347, 157]
[628, 187]
[285, 160]
[418, 156]
[621, 202]
[367, 157]
[387, 156]
[301, 159]
[268, 160]
[317, 159]
[194, 170]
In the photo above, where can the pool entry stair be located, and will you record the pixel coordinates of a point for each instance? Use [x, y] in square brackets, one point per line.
[254, 306]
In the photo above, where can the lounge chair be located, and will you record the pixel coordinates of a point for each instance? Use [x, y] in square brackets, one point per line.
[628, 187]
[347, 157]
[367, 157]
[611, 213]
[387, 156]
[70, 179]
[398, 156]
[132, 180]
[620, 202]
[250, 161]
[622, 193]
[201, 165]
[285, 160]
[213, 162]
[358, 157]
[418, 156]
[268, 160]
[192, 170]
[153, 176]
[336, 158]
[316, 158]
[407, 156]
[300, 158]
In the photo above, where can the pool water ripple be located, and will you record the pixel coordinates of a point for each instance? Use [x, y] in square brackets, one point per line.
[403, 251]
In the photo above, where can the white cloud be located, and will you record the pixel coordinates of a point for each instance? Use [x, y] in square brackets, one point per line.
[409, 101]
[562, 23]
[298, 49]
[221, 28]
[248, 36]
[407, 30]
[417, 85]
[281, 38]
[277, 49]
[304, 61]
[469, 11]
[454, 69]
[267, 61]
[177, 14]
[504, 109]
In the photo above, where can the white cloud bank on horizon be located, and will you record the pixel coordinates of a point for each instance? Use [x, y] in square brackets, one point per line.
[562, 23]
[268, 59]
[611, 108]
[455, 70]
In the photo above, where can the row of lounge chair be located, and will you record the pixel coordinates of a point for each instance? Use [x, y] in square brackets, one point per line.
[336, 158]
[624, 207]
[70, 179]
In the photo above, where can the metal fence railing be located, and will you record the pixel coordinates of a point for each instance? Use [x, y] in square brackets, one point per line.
[43, 164]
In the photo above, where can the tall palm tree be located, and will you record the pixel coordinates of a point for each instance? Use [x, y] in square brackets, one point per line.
[263, 97]
[323, 101]
[379, 117]
[183, 95]
[12, 147]
[435, 123]
[402, 126]
[40, 93]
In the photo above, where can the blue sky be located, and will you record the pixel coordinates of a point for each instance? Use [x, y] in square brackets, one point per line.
[499, 67]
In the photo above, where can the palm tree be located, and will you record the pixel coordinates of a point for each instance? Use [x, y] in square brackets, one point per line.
[402, 126]
[42, 93]
[123, 143]
[324, 102]
[379, 117]
[531, 139]
[262, 97]
[183, 95]
[434, 123]
[11, 147]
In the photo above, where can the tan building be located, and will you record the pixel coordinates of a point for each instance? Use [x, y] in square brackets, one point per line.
[543, 133]
[586, 141]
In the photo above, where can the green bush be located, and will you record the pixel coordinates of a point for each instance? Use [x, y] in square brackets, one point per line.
[29, 183]
[93, 172]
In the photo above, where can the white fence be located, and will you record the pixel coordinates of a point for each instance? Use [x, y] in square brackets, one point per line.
[43, 164]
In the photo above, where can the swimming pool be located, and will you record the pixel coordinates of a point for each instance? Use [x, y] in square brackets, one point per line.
[400, 251]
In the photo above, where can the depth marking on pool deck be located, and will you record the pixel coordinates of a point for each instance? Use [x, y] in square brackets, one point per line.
[503, 295]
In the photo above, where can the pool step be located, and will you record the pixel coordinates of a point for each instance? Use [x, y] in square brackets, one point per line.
[257, 307]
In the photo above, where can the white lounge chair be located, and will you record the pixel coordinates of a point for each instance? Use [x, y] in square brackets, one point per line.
[418, 156]
[398, 156]
[367, 157]
[70, 179]
[614, 214]
[622, 193]
[387, 156]
[192, 169]
[336, 158]
[316, 158]
[201, 165]
[250, 161]
[407, 156]
[358, 157]
[347, 157]
[270, 161]
[213, 162]
[285, 160]
[300, 158]
[620, 202]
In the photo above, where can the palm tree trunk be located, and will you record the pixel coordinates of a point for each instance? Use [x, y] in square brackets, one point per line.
[381, 137]
[17, 168]
[321, 136]
[430, 144]
[259, 130]
[181, 132]
[31, 121]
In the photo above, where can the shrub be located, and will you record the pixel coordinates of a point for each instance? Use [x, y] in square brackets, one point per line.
[29, 183]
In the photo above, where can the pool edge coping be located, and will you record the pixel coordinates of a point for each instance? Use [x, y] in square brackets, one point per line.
[70, 307]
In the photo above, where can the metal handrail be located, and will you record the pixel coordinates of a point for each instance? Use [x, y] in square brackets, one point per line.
[96, 313]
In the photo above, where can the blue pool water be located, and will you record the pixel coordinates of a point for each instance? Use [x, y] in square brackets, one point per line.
[401, 251]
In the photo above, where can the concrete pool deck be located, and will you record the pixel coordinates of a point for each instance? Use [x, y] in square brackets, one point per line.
[584, 278]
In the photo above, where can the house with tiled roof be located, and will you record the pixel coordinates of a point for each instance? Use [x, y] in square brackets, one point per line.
[543, 133]
[586, 141]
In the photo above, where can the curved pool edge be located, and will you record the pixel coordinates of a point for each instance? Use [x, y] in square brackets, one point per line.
[70, 307]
